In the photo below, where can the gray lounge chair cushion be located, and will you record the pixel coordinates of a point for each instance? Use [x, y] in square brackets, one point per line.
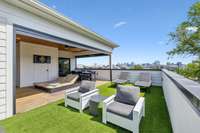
[145, 77]
[143, 83]
[119, 81]
[124, 75]
[127, 94]
[86, 86]
[74, 96]
[121, 109]
[122, 78]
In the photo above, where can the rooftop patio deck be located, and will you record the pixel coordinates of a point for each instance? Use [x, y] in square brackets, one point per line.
[54, 117]
[29, 97]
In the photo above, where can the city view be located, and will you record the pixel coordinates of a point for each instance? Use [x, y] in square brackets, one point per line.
[132, 65]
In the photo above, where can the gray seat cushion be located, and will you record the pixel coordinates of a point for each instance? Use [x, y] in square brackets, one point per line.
[127, 94]
[74, 96]
[119, 81]
[145, 76]
[86, 86]
[124, 75]
[121, 109]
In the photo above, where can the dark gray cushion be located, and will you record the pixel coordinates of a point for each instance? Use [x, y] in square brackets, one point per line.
[86, 86]
[74, 96]
[121, 109]
[145, 76]
[119, 81]
[127, 94]
[124, 75]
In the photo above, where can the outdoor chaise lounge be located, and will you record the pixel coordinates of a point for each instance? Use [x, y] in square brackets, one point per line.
[144, 80]
[122, 78]
[58, 84]
[79, 97]
[124, 109]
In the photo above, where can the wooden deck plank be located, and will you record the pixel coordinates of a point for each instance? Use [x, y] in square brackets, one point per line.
[29, 98]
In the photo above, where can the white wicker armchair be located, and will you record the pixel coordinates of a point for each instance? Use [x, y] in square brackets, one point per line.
[79, 100]
[125, 116]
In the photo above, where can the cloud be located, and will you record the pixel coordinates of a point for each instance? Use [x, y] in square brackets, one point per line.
[119, 24]
[54, 6]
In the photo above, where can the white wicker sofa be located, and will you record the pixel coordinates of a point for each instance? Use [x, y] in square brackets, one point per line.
[124, 114]
[79, 97]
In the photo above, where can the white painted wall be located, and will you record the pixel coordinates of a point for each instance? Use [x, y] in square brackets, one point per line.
[32, 72]
[183, 118]
[133, 75]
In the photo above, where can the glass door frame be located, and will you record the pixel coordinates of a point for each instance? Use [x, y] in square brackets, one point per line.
[59, 64]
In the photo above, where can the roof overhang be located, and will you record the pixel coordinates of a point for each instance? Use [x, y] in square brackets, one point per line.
[20, 30]
[48, 13]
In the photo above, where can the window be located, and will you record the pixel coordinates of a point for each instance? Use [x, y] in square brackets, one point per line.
[42, 59]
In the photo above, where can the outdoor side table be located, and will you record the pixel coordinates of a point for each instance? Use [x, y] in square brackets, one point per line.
[94, 103]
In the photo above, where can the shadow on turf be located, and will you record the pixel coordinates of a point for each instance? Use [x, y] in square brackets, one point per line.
[95, 118]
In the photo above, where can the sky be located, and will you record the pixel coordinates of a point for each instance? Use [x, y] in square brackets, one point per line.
[140, 27]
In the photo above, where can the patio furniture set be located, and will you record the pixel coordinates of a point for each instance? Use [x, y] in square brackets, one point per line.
[125, 109]
[85, 74]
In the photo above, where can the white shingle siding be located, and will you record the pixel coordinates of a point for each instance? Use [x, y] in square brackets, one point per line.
[2, 115]
[2, 109]
[2, 57]
[2, 79]
[2, 65]
[3, 93]
[2, 28]
[2, 50]
[3, 71]
[2, 36]
[2, 101]
[2, 43]
[2, 86]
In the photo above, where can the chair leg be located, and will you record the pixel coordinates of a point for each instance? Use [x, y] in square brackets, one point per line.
[81, 111]
[65, 102]
[135, 128]
[104, 120]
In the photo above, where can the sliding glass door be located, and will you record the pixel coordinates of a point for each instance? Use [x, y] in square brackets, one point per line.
[64, 66]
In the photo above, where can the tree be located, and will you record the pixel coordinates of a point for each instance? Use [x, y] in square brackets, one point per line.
[191, 71]
[137, 67]
[187, 34]
[187, 38]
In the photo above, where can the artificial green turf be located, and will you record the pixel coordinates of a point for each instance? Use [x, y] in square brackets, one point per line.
[55, 118]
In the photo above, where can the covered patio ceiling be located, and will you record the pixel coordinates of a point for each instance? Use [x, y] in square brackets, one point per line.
[76, 51]
[36, 37]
